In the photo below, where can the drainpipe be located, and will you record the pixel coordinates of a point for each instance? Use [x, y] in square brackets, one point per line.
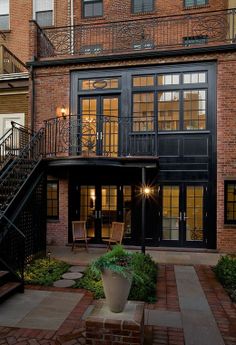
[32, 100]
[71, 5]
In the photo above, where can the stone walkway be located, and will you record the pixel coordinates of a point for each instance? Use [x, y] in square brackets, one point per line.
[192, 309]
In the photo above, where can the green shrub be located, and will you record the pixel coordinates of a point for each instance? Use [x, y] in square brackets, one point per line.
[144, 278]
[45, 272]
[225, 271]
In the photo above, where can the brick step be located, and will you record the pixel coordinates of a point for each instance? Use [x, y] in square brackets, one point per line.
[8, 289]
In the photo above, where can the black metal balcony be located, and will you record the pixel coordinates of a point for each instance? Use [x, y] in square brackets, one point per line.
[100, 136]
[149, 34]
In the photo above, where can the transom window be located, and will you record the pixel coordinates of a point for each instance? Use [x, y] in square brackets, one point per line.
[192, 3]
[43, 12]
[52, 200]
[142, 6]
[92, 8]
[4, 14]
[230, 202]
[94, 84]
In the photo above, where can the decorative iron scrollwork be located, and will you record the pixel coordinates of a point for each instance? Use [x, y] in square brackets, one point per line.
[213, 27]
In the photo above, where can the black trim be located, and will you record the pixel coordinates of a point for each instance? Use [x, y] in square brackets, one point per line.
[226, 184]
[137, 55]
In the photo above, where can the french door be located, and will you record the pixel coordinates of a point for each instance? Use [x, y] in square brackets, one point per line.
[98, 124]
[183, 214]
[100, 205]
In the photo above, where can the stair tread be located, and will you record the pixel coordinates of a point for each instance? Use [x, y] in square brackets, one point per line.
[4, 289]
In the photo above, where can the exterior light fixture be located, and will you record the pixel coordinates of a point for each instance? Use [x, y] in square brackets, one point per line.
[49, 253]
[63, 111]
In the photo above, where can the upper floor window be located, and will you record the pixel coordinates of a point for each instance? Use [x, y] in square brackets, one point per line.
[43, 12]
[4, 14]
[92, 8]
[141, 6]
[194, 40]
[230, 202]
[192, 3]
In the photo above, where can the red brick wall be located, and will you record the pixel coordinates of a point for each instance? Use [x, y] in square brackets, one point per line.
[49, 97]
[57, 231]
[226, 146]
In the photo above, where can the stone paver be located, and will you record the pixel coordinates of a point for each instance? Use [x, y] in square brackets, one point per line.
[72, 275]
[199, 325]
[64, 283]
[77, 269]
[164, 314]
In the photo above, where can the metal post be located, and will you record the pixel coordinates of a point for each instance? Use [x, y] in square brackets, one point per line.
[143, 210]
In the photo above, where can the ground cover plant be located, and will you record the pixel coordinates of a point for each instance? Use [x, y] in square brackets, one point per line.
[225, 271]
[144, 279]
[45, 271]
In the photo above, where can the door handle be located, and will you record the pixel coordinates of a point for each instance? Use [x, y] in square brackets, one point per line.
[185, 218]
[97, 135]
[99, 214]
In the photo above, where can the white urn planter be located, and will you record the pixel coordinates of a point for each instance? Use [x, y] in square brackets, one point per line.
[116, 289]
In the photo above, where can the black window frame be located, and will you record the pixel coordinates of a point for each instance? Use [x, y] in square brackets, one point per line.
[142, 5]
[226, 184]
[54, 217]
[91, 2]
[195, 4]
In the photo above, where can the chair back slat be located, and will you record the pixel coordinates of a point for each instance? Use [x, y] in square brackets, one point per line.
[79, 229]
[117, 231]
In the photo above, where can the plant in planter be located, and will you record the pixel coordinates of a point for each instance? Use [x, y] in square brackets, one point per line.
[116, 270]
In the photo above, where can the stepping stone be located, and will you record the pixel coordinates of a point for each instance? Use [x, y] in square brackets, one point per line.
[72, 275]
[64, 283]
[77, 268]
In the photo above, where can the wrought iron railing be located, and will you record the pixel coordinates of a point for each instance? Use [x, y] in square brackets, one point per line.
[154, 34]
[16, 173]
[13, 142]
[9, 63]
[100, 135]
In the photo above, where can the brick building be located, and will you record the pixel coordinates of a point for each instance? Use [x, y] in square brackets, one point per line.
[137, 93]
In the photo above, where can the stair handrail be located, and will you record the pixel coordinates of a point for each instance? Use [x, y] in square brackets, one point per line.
[7, 142]
[23, 152]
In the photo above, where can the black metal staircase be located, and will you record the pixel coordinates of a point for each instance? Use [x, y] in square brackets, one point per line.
[21, 205]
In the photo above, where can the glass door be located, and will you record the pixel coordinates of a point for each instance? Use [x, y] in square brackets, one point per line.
[98, 125]
[183, 214]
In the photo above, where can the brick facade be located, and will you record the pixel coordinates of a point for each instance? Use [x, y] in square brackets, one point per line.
[57, 231]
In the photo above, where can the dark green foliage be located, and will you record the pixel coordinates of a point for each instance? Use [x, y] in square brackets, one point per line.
[144, 281]
[45, 272]
[143, 268]
[225, 271]
[92, 282]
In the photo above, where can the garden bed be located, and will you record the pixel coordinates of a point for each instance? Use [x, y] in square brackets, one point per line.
[225, 271]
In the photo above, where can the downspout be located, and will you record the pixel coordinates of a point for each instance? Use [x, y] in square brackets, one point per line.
[71, 5]
[32, 100]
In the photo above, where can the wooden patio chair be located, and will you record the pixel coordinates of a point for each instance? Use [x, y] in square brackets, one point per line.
[79, 233]
[116, 234]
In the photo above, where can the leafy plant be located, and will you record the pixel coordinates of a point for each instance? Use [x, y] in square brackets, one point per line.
[117, 260]
[143, 268]
[225, 271]
[45, 272]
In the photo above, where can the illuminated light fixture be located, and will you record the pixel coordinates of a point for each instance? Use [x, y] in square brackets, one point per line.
[63, 111]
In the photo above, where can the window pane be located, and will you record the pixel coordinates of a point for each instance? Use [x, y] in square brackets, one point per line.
[168, 79]
[95, 84]
[142, 6]
[93, 8]
[195, 78]
[44, 18]
[168, 111]
[194, 109]
[230, 196]
[52, 200]
[143, 111]
[4, 22]
[146, 80]
[4, 7]
[43, 5]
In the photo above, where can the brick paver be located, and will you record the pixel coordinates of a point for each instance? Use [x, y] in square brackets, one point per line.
[71, 331]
